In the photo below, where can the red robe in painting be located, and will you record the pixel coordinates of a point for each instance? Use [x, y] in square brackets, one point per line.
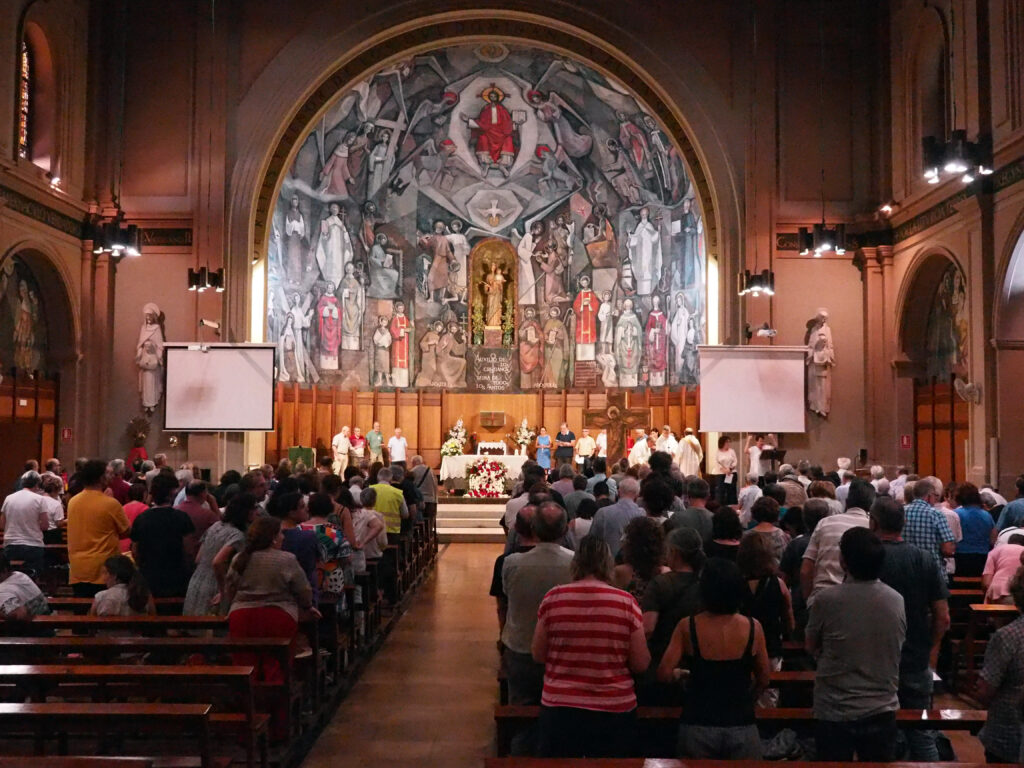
[494, 135]
[400, 346]
[656, 334]
[586, 307]
[531, 346]
[330, 325]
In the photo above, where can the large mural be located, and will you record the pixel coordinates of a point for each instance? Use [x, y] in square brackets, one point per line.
[946, 334]
[487, 217]
[23, 332]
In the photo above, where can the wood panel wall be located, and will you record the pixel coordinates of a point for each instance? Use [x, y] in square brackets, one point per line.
[311, 417]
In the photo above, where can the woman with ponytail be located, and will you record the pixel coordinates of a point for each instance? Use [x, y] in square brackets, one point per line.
[126, 594]
[221, 542]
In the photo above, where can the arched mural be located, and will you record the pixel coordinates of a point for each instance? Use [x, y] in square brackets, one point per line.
[487, 216]
[947, 328]
[23, 331]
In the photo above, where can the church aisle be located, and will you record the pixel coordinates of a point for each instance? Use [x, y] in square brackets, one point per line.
[427, 697]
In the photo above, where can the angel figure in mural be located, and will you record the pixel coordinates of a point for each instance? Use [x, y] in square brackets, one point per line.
[493, 287]
[294, 248]
[149, 358]
[628, 345]
[531, 349]
[494, 132]
[525, 250]
[656, 334]
[439, 247]
[552, 174]
[551, 110]
[620, 173]
[645, 253]
[329, 320]
[353, 304]
[679, 323]
[821, 359]
[334, 248]
[556, 351]
[451, 356]
[383, 274]
[381, 353]
[633, 140]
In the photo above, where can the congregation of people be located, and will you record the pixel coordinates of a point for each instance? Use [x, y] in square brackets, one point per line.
[640, 584]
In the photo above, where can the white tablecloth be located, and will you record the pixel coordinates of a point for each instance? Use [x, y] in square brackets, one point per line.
[455, 466]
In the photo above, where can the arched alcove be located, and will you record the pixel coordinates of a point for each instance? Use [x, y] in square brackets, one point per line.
[42, 123]
[928, 79]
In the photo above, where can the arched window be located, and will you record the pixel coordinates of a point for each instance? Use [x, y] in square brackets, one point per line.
[931, 81]
[25, 101]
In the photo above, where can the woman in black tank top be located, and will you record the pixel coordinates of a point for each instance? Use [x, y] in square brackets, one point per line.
[728, 668]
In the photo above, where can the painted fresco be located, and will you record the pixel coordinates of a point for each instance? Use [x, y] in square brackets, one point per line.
[487, 217]
[946, 335]
[23, 332]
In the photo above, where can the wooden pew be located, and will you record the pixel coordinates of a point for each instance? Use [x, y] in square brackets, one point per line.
[129, 623]
[58, 720]
[189, 682]
[653, 721]
[640, 762]
[165, 606]
[980, 614]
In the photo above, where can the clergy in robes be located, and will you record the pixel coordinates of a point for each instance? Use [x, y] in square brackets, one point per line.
[525, 251]
[667, 441]
[689, 454]
[641, 450]
[329, 320]
[645, 253]
[586, 307]
[656, 335]
[556, 351]
[493, 132]
[381, 341]
[353, 304]
[428, 376]
[678, 332]
[401, 329]
[294, 249]
[531, 347]
[334, 248]
[440, 250]
[628, 345]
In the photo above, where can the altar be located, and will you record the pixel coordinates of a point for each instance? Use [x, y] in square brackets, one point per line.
[454, 467]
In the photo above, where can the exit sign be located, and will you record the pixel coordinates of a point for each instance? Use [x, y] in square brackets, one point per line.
[905, 443]
[66, 434]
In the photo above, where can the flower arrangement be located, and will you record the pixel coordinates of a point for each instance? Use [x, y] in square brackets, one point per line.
[455, 444]
[486, 479]
[522, 435]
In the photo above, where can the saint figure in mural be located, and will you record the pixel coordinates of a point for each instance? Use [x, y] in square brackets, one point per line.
[334, 248]
[606, 323]
[821, 359]
[494, 293]
[460, 249]
[531, 348]
[451, 356]
[353, 304]
[659, 148]
[528, 245]
[688, 224]
[25, 356]
[645, 253]
[556, 351]
[149, 357]
[437, 245]
[401, 330]
[587, 308]
[628, 345]
[383, 274]
[293, 345]
[633, 140]
[294, 248]
[656, 334]
[678, 326]
[381, 354]
[380, 162]
[329, 319]
[428, 375]
[493, 132]
[335, 177]
[554, 269]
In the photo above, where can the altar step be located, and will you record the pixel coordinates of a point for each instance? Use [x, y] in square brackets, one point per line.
[465, 520]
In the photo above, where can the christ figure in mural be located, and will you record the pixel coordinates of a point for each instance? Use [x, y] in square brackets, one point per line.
[493, 132]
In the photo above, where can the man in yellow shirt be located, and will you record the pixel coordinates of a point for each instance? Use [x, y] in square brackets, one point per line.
[390, 502]
[586, 447]
[96, 523]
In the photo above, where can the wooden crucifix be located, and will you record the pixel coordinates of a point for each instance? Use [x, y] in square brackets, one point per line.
[617, 419]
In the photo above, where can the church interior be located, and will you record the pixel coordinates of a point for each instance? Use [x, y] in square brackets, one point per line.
[475, 243]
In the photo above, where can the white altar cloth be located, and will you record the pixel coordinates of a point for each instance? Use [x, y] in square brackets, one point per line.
[455, 466]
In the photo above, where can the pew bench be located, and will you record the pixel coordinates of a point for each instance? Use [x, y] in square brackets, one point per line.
[55, 761]
[657, 725]
[640, 762]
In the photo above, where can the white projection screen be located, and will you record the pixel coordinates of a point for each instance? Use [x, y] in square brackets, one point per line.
[752, 389]
[219, 387]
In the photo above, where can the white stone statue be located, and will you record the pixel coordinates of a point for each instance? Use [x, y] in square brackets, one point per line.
[821, 359]
[149, 357]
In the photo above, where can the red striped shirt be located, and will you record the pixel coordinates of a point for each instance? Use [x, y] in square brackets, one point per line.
[588, 626]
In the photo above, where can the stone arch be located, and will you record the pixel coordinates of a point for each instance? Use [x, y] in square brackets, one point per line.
[265, 152]
[917, 291]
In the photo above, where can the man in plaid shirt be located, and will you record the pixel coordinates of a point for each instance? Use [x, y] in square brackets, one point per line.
[925, 526]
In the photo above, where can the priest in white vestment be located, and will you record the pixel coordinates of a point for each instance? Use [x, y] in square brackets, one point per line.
[641, 450]
[689, 454]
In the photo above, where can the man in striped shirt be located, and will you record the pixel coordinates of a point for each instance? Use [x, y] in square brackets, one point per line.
[591, 640]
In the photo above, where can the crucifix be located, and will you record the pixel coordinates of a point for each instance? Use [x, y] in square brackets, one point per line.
[617, 419]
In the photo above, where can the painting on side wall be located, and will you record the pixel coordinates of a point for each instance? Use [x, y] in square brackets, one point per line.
[486, 217]
[23, 331]
[946, 336]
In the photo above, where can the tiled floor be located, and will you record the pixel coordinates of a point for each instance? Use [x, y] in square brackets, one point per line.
[427, 698]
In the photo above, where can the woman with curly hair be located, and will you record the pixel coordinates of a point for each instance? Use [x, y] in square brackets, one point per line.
[643, 556]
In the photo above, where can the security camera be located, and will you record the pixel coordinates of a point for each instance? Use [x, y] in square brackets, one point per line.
[209, 324]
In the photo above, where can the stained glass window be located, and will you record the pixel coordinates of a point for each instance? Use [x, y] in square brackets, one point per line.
[24, 100]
